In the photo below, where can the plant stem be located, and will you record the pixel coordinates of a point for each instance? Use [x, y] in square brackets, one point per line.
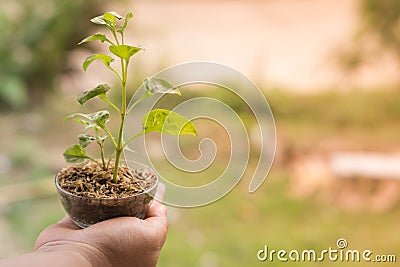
[101, 144]
[133, 137]
[115, 36]
[118, 150]
[93, 160]
[105, 99]
[137, 102]
[107, 132]
[120, 145]
[115, 72]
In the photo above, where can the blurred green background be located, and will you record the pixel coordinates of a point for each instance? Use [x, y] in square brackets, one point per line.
[330, 72]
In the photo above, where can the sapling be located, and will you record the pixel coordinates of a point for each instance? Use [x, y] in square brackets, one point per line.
[96, 129]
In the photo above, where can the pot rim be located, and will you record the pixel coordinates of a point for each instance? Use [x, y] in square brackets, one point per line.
[60, 189]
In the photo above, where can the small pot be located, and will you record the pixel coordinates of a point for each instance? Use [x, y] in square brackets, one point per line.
[85, 211]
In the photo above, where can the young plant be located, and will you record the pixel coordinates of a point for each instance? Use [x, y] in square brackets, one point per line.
[96, 129]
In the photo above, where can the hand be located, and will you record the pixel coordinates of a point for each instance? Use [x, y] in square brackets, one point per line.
[124, 241]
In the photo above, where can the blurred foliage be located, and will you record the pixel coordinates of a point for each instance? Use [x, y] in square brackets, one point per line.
[355, 109]
[383, 19]
[36, 36]
[379, 32]
[271, 216]
[368, 119]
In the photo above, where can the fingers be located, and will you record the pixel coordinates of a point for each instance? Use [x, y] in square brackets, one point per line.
[67, 223]
[157, 214]
[56, 232]
[157, 209]
[160, 192]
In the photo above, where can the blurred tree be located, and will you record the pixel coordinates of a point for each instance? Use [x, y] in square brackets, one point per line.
[379, 32]
[382, 18]
[36, 36]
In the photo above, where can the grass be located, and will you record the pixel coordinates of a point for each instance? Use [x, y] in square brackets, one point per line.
[367, 118]
[230, 231]
[29, 218]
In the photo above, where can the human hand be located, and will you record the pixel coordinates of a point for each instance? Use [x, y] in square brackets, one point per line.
[124, 241]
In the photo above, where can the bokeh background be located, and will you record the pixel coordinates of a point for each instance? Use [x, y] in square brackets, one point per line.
[329, 70]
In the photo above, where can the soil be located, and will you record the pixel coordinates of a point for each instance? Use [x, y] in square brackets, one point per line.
[90, 180]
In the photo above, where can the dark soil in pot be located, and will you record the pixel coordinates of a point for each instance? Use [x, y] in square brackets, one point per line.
[89, 195]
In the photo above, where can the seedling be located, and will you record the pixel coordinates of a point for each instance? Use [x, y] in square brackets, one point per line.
[96, 130]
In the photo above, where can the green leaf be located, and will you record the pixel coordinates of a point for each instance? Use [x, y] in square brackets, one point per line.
[88, 124]
[101, 89]
[98, 36]
[75, 154]
[111, 16]
[105, 58]
[167, 122]
[105, 99]
[107, 19]
[156, 85]
[100, 118]
[99, 20]
[127, 18]
[90, 120]
[85, 139]
[124, 51]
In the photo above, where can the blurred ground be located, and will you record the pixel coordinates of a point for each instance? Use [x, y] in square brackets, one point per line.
[288, 43]
[301, 205]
